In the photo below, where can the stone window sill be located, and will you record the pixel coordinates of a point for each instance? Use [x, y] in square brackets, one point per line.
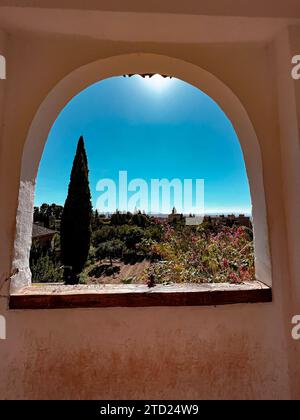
[50, 296]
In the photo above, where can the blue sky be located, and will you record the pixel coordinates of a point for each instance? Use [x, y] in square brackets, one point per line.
[151, 128]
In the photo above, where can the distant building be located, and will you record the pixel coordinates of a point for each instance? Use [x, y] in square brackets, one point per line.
[230, 220]
[42, 236]
[174, 216]
[243, 220]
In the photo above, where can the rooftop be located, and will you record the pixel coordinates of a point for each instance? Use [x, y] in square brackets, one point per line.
[39, 231]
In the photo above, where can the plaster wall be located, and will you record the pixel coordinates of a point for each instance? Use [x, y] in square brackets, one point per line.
[288, 43]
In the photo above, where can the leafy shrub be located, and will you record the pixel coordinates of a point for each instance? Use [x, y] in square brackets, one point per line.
[44, 270]
[110, 249]
[194, 255]
[105, 233]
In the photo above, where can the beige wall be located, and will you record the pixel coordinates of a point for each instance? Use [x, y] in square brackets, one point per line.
[242, 351]
[288, 43]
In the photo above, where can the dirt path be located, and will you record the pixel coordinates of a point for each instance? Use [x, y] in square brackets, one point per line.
[129, 273]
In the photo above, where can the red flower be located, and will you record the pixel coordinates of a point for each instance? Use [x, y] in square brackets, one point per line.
[225, 263]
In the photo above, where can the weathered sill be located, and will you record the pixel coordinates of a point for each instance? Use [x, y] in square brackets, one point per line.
[43, 296]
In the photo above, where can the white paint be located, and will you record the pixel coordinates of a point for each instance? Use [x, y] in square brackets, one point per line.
[296, 68]
[296, 328]
[2, 67]
[2, 328]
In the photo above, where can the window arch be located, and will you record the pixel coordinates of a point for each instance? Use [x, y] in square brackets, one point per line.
[141, 63]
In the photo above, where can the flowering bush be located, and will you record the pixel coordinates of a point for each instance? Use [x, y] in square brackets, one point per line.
[196, 255]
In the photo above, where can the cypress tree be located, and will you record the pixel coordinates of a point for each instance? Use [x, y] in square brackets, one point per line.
[75, 231]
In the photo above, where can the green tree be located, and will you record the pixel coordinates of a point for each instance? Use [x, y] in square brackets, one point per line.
[76, 218]
[141, 220]
[111, 249]
[105, 233]
[44, 269]
[95, 220]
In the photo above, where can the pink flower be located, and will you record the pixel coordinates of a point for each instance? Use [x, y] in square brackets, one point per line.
[234, 278]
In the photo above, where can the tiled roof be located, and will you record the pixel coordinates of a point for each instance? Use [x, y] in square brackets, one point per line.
[39, 231]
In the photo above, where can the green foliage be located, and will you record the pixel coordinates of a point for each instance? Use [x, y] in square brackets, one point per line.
[105, 233]
[140, 220]
[154, 232]
[45, 270]
[111, 249]
[47, 214]
[76, 218]
[45, 263]
[130, 235]
[178, 253]
[98, 220]
[118, 218]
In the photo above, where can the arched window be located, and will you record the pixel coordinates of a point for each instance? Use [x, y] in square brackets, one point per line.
[221, 158]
